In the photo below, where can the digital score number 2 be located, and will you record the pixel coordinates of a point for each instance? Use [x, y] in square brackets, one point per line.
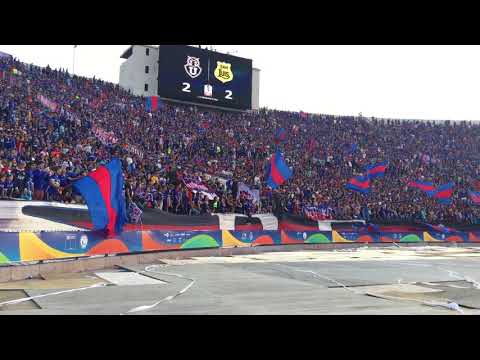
[186, 88]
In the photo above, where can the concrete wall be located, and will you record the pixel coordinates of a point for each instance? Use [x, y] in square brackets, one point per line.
[132, 71]
[12, 218]
[255, 89]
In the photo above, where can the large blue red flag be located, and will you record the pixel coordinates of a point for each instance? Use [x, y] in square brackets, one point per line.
[376, 170]
[278, 172]
[102, 190]
[475, 197]
[360, 184]
[443, 193]
[422, 185]
[280, 136]
[152, 104]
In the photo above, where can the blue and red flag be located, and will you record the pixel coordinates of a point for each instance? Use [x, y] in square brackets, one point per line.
[360, 184]
[277, 172]
[442, 229]
[443, 193]
[422, 185]
[376, 170]
[152, 103]
[366, 228]
[476, 185]
[280, 136]
[102, 190]
[474, 196]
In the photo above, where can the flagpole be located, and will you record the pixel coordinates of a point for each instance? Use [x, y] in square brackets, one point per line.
[73, 70]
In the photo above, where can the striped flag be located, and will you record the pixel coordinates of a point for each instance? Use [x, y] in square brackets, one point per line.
[474, 196]
[278, 171]
[442, 229]
[360, 184]
[280, 136]
[443, 193]
[376, 170]
[422, 185]
[103, 192]
[152, 104]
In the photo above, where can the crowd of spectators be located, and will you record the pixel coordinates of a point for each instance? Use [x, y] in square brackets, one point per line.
[46, 145]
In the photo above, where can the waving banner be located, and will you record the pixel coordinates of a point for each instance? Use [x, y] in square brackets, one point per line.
[134, 150]
[47, 103]
[317, 213]
[194, 187]
[253, 195]
[106, 137]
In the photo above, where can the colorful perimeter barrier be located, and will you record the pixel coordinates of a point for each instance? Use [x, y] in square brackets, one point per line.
[29, 246]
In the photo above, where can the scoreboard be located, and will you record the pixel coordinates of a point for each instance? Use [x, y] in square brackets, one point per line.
[202, 76]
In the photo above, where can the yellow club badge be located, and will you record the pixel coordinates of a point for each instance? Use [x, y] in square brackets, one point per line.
[223, 72]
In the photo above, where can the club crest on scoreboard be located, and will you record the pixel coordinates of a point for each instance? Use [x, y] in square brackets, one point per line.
[223, 72]
[192, 67]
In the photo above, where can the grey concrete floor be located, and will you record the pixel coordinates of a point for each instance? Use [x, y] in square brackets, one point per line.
[303, 282]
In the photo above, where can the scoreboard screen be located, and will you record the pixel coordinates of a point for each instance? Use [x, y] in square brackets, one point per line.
[202, 76]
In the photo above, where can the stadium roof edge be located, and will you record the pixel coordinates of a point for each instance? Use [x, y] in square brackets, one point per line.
[127, 53]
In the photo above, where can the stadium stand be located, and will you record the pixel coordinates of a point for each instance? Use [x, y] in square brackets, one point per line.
[184, 160]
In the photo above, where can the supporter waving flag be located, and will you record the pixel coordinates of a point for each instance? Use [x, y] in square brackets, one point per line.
[152, 104]
[443, 193]
[102, 190]
[280, 136]
[474, 196]
[376, 170]
[360, 184]
[278, 172]
[422, 185]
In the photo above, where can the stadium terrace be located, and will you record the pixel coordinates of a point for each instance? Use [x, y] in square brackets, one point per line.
[55, 128]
